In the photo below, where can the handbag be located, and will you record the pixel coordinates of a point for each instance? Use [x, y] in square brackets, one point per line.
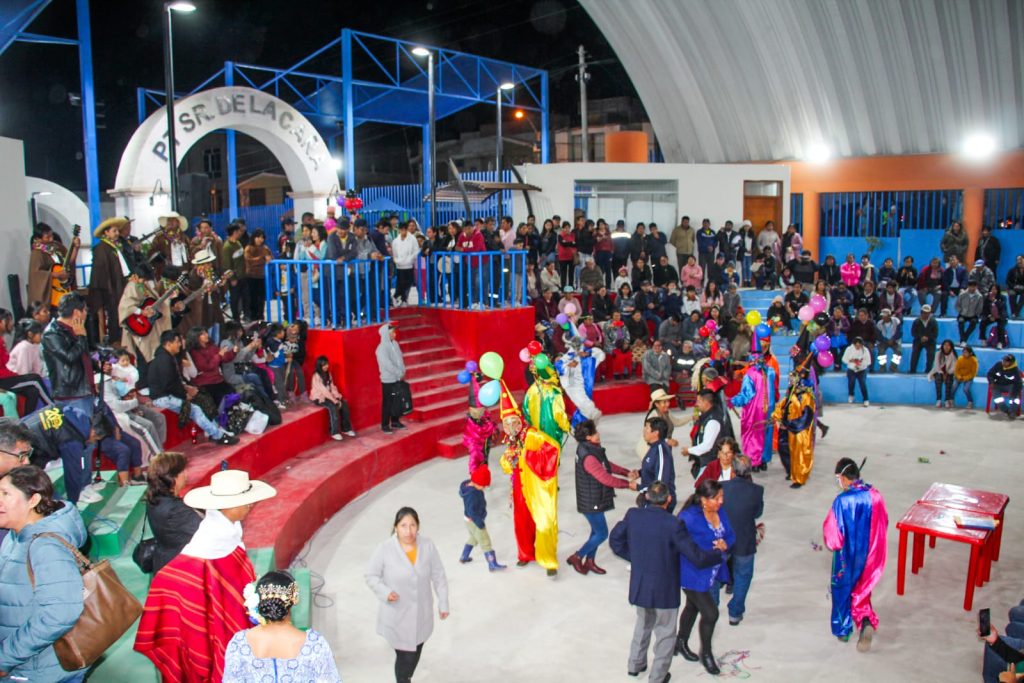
[145, 549]
[404, 396]
[108, 610]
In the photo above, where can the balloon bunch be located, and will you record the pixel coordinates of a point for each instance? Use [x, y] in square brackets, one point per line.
[812, 310]
[352, 202]
[563, 318]
[491, 365]
[709, 328]
[761, 330]
[822, 345]
[533, 352]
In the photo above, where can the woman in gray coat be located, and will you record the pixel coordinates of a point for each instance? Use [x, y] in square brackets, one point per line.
[401, 573]
[392, 371]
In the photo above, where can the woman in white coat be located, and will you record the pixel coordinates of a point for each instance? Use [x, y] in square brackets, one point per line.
[401, 574]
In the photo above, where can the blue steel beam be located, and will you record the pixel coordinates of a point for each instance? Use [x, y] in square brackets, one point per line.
[26, 37]
[92, 168]
[349, 118]
[231, 152]
[14, 19]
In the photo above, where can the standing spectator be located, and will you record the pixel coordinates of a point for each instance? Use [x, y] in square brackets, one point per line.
[1004, 381]
[707, 244]
[744, 503]
[850, 272]
[40, 598]
[392, 371]
[988, 249]
[746, 257]
[969, 307]
[890, 338]
[172, 522]
[638, 243]
[683, 239]
[730, 243]
[325, 394]
[596, 482]
[929, 283]
[942, 372]
[652, 541]
[657, 367]
[66, 354]
[232, 257]
[657, 464]
[964, 372]
[1015, 287]
[769, 239]
[954, 243]
[994, 313]
[621, 243]
[857, 359]
[656, 242]
[715, 271]
[566, 254]
[923, 332]
[954, 279]
[257, 255]
[792, 240]
[404, 249]
[603, 252]
[906, 282]
[709, 527]
[406, 616]
[206, 578]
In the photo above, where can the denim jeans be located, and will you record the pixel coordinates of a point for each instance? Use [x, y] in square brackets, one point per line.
[598, 534]
[967, 389]
[209, 427]
[858, 378]
[909, 297]
[742, 567]
[993, 664]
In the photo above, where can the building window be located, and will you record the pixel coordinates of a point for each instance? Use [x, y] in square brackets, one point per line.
[258, 196]
[212, 162]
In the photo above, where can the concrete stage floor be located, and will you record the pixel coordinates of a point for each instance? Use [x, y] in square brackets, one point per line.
[520, 626]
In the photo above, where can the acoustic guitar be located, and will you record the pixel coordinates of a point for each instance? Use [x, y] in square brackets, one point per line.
[178, 316]
[58, 288]
[141, 325]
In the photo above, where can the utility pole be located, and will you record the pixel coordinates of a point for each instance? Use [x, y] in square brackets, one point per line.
[582, 76]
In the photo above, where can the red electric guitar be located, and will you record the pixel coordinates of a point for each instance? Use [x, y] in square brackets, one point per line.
[141, 325]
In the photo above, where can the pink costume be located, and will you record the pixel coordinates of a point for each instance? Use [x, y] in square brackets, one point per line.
[757, 398]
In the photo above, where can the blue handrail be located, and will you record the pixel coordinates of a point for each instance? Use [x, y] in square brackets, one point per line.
[328, 294]
[472, 280]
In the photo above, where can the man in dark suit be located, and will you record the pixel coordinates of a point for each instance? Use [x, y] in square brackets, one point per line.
[744, 503]
[652, 539]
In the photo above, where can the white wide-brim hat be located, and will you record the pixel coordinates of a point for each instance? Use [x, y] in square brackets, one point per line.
[229, 489]
[204, 255]
[182, 221]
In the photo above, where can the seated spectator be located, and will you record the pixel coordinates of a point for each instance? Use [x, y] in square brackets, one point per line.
[786, 279]
[657, 367]
[1015, 287]
[731, 301]
[65, 433]
[325, 394]
[887, 272]
[983, 275]
[550, 281]
[891, 298]
[546, 306]
[619, 361]
[838, 331]
[622, 279]
[954, 279]
[133, 414]
[731, 276]
[829, 272]
[172, 522]
[929, 283]
[843, 297]
[692, 275]
[906, 283]
[691, 324]
[712, 296]
[715, 271]
[169, 391]
[867, 299]
[601, 304]
[969, 307]
[591, 276]
[691, 302]
[778, 314]
[804, 269]
[625, 303]
[648, 300]
[664, 273]
[890, 338]
[21, 371]
[640, 273]
[1001, 652]
[639, 337]
[994, 313]
[670, 333]
[672, 301]
[868, 272]
[770, 268]
[964, 373]
[942, 372]
[1004, 381]
[796, 299]
[821, 289]
[206, 357]
[864, 327]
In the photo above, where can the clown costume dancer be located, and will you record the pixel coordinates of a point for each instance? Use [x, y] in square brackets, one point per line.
[531, 459]
[543, 405]
[795, 417]
[479, 428]
[577, 369]
[757, 397]
[855, 530]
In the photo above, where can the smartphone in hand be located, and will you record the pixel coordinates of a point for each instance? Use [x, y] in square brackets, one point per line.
[984, 622]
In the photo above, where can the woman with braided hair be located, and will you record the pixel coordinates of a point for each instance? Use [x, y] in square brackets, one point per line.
[274, 644]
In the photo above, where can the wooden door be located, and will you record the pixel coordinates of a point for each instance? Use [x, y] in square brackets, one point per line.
[762, 202]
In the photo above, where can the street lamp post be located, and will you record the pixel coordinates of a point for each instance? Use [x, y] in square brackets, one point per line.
[172, 151]
[497, 145]
[432, 118]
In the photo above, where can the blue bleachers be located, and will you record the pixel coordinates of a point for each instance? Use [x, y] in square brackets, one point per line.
[896, 387]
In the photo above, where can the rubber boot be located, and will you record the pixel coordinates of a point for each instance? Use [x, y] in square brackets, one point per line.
[466, 550]
[492, 562]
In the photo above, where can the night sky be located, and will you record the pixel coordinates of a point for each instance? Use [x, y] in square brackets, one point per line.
[35, 80]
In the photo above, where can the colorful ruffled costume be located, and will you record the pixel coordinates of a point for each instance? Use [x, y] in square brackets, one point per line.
[855, 529]
[479, 428]
[578, 381]
[757, 396]
[544, 406]
[531, 458]
[796, 437]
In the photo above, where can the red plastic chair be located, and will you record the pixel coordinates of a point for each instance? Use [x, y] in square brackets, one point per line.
[988, 401]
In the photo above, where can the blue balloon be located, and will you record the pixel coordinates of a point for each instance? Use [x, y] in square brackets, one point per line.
[490, 393]
[464, 377]
[763, 331]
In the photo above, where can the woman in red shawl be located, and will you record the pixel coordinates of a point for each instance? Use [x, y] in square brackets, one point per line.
[195, 602]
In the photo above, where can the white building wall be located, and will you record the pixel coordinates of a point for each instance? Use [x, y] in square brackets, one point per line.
[15, 229]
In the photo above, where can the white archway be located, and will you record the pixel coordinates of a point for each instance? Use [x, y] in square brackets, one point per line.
[61, 209]
[143, 178]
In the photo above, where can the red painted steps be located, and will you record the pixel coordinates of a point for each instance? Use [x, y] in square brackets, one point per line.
[425, 368]
[452, 447]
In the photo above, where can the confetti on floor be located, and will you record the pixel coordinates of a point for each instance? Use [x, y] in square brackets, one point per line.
[924, 460]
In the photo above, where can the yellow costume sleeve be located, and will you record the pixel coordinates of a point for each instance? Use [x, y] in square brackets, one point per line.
[539, 477]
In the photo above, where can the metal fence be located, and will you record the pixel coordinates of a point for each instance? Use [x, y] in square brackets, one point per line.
[479, 280]
[1004, 208]
[885, 214]
[410, 200]
[327, 294]
[796, 210]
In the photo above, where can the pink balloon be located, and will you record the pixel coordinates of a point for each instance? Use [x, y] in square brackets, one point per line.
[570, 309]
[818, 303]
[524, 355]
[825, 359]
[711, 325]
[806, 313]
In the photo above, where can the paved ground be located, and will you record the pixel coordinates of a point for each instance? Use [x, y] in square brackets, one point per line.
[520, 626]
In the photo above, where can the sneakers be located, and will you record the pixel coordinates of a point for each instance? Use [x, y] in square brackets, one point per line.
[970, 405]
[949, 404]
[337, 437]
[735, 621]
[867, 404]
[398, 425]
[350, 433]
[938, 404]
[850, 400]
[866, 634]
[227, 440]
[89, 495]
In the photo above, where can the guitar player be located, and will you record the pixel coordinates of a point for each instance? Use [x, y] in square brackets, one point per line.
[139, 288]
[47, 253]
[205, 311]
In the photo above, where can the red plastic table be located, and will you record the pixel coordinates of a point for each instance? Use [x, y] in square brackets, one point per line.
[974, 501]
[924, 519]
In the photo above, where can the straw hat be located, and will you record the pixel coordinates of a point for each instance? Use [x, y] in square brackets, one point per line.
[182, 221]
[660, 395]
[204, 255]
[115, 222]
[229, 489]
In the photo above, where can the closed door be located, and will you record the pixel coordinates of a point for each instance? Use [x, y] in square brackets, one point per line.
[762, 202]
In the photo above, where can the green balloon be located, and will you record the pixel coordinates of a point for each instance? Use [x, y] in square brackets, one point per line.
[541, 361]
[492, 365]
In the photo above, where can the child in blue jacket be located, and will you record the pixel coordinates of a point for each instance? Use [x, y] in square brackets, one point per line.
[475, 509]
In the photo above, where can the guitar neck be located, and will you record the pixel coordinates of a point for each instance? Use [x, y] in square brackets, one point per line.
[166, 295]
[202, 290]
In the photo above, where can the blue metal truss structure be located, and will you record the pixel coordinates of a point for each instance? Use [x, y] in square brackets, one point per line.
[378, 80]
[15, 17]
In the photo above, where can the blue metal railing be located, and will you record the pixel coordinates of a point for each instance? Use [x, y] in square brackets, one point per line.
[885, 214]
[478, 280]
[328, 294]
[796, 210]
[1004, 208]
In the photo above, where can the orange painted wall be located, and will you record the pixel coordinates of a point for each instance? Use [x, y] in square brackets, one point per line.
[913, 172]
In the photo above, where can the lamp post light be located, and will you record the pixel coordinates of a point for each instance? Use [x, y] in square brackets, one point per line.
[431, 171]
[520, 115]
[172, 151]
[497, 145]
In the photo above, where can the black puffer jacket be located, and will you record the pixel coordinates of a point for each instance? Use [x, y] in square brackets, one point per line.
[64, 353]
